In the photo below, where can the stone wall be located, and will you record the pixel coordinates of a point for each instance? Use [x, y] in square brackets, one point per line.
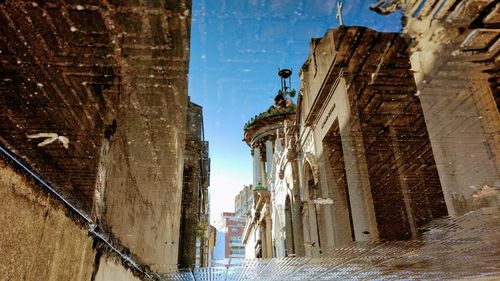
[371, 145]
[454, 55]
[42, 239]
[112, 269]
[194, 215]
[39, 240]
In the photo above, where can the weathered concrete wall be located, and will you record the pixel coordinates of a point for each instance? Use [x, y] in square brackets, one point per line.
[142, 194]
[321, 62]
[190, 213]
[107, 79]
[110, 269]
[39, 240]
[144, 180]
[42, 240]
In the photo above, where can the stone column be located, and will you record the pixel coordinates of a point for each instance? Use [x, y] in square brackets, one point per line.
[269, 246]
[257, 176]
[298, 233]
[314, 242]
[289, 241]
[269, 155]
[356, 167]
[262, 232]
[263, 168]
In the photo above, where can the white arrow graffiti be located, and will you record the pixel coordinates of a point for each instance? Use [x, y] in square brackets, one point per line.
[50, 138]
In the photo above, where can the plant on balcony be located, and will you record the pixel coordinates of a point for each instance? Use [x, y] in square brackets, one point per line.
[271, 111]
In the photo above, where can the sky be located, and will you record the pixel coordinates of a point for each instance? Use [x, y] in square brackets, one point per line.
[237, 47]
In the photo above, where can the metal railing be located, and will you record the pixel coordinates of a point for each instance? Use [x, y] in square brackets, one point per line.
[91, 226]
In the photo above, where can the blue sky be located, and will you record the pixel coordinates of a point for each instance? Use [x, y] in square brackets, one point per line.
[237, 47]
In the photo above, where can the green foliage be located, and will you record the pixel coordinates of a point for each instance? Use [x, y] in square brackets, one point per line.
[201, 229]
[271, 111]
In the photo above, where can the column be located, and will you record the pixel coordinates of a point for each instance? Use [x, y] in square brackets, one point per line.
[298, 233]
[256, 166]
[269, 155]
[263, 165]
[269, 246]
[263, 242]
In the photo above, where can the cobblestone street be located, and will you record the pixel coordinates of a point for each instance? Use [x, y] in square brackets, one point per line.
[463, 248]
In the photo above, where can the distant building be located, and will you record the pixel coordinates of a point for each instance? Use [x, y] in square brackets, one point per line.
[243, 202]
[212, 239]
[229, 234]
[193, 248]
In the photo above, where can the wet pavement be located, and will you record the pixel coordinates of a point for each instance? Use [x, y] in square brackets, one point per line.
[463, 248]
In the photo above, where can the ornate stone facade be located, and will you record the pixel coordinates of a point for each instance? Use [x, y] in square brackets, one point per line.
[371, 175]
[356, 163]
[265, 137]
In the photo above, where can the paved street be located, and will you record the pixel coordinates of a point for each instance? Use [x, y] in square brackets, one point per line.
[463, 248]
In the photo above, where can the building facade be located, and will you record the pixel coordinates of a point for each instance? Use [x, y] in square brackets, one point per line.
[265, 135]
[229, 246]
[243, 202]
[358, 161]
[454, 56]
[363, 142]
[193, 248]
